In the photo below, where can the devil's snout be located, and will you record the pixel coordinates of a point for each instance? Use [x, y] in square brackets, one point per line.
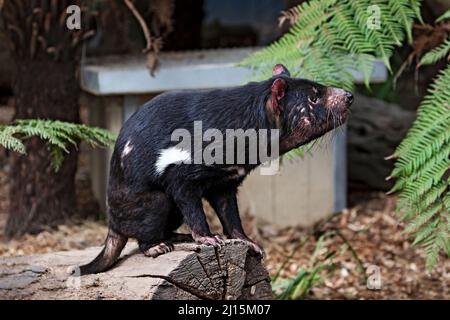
[349, 97]
[339, 98]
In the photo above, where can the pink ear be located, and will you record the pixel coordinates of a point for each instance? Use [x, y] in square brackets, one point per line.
[280, 69]
[278, 92]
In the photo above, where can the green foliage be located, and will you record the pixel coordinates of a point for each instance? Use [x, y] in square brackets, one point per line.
[445, 16]
[329, 37]
[436, 54]
[320, 266]
[58, 135]
[300, 285]
[422, 170]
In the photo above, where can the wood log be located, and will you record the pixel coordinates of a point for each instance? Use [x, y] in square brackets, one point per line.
[375, 129]
[189, 272]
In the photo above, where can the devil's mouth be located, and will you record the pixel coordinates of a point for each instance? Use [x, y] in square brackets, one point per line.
[339, 119]
[333, 120]
[343, 115]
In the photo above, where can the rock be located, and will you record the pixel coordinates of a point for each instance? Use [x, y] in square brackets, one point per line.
[190, 272]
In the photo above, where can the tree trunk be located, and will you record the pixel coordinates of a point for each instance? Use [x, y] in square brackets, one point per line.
[46, 55]
[39, 196]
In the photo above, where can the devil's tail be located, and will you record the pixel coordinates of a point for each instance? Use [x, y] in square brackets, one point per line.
[114, 244]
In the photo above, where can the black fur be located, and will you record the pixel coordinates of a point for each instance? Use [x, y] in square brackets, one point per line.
[149, 206]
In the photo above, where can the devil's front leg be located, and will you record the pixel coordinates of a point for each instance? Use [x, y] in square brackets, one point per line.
[188, 199]
[224, 203]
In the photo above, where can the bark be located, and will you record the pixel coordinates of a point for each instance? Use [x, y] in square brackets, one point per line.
[39, 196]
[6, 69]
[45, 54]
[190, 272]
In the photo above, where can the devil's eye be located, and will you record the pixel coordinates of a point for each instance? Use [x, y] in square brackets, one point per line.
[313, 99]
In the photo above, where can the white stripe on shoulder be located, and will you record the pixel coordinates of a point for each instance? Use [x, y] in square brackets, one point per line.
[172, 155]
[126, 151]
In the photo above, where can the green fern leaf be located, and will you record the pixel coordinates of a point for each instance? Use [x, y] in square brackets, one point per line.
[59, 136]
[436, 54]
[443, 17]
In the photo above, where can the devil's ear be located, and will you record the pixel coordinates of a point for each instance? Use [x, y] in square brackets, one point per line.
[280, 69]
[278, 92]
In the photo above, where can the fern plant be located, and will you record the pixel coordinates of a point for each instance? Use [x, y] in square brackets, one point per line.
[422, 171]
[422, 168]
[58, 135]
[329, 39]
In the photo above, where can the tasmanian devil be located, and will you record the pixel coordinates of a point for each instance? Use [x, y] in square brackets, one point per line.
[155, 185]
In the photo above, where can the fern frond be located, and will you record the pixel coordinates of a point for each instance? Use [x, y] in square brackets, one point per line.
[415, 5]
[58, 135]
[290, 15]
[324, 31]
[443, 17]
[404, 12]
[421, 219]
[9, 141]
[421, 169]
[437, 242]
[436, 54]
[426, 232]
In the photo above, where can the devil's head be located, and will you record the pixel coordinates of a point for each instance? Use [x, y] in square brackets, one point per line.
[304, 110]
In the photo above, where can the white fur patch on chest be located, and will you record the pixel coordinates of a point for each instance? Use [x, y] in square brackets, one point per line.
[172, 155]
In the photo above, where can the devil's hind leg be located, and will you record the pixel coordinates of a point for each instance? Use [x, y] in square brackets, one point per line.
[150, 218]
[174, 221]
[142, 216]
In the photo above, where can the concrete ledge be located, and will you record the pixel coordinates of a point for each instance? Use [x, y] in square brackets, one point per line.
[203, 69]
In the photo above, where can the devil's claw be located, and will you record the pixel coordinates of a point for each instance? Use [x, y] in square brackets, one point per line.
[215, 241]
